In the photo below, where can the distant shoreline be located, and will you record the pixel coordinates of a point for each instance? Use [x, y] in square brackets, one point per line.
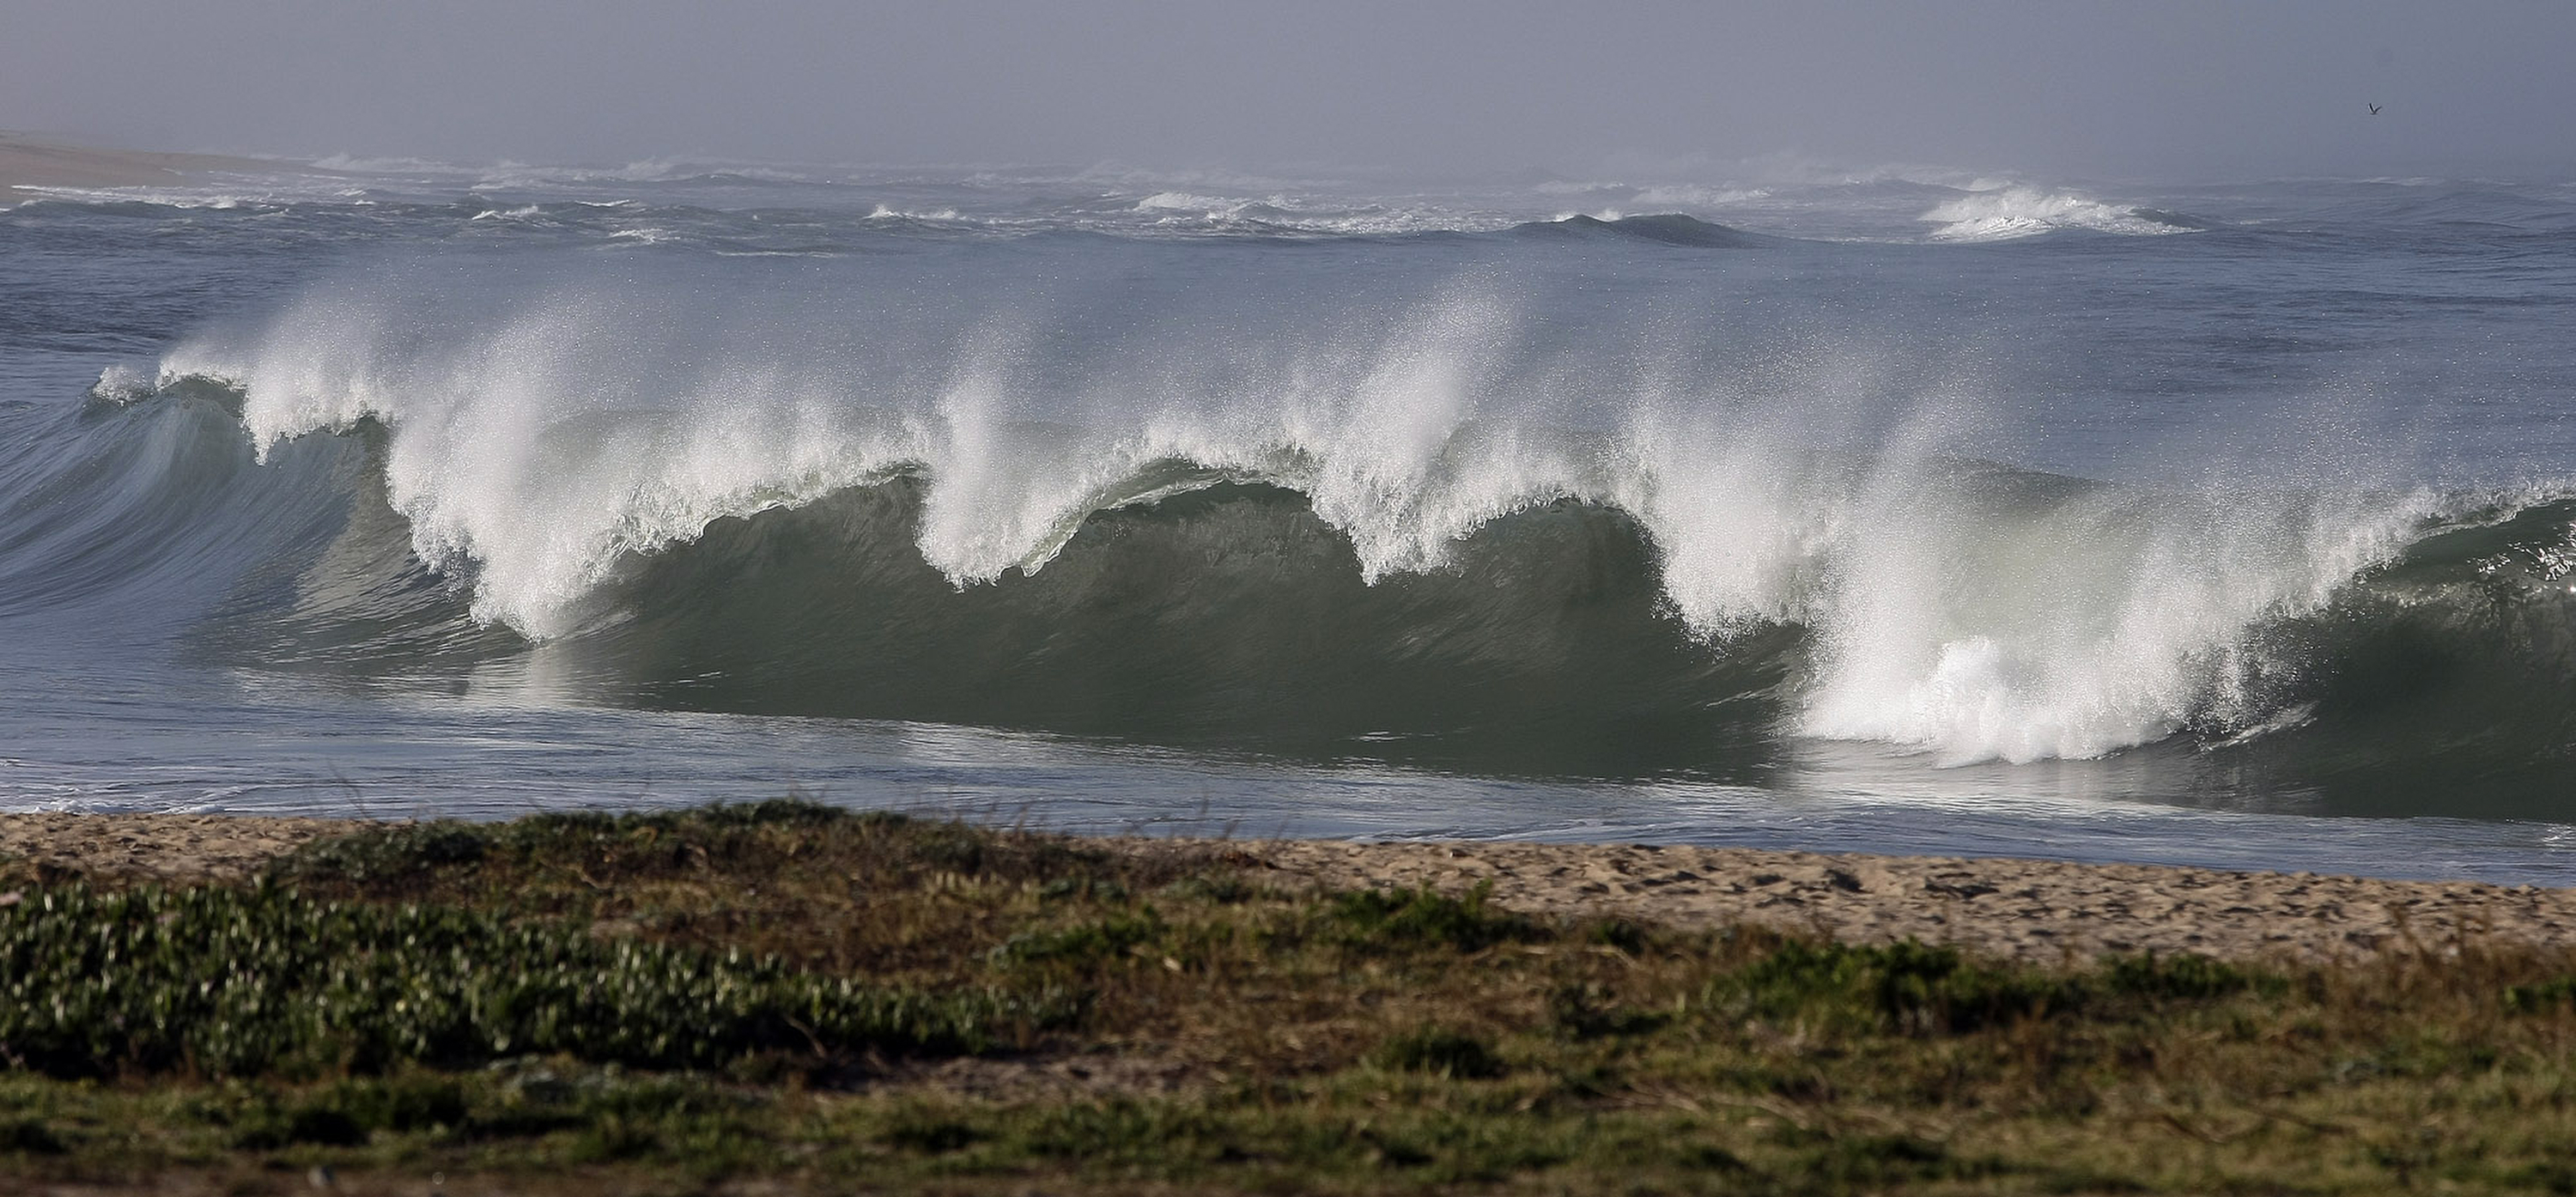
[2035, 911]
[28, 161]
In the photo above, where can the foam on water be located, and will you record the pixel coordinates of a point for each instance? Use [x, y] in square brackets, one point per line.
[1282, 212]
[124, 384]
[2009, 212]
[889, 212]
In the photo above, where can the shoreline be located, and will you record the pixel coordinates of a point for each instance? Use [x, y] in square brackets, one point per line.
[2033, 911]
[32, 162]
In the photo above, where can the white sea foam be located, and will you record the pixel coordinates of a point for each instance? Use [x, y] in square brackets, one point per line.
[1304, 214]
[2009, 212]
[2111, 619]
[1182, 201]
[122, 384]
[538, 456]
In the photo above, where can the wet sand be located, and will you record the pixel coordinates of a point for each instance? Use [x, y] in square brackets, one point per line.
[2044, 911]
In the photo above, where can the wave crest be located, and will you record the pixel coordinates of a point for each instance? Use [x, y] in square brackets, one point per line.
[546, 436]
[1670, 228]
[2013, 212]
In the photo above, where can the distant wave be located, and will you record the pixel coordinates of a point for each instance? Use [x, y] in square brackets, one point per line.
[1880, 206]
[1281, 213]
[148, 198]
[2012, 212]
[521, 174]
[1666, 229]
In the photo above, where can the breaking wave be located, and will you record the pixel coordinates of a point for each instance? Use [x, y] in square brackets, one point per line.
[2012, 212]
[1968, 611]
[1412, 521]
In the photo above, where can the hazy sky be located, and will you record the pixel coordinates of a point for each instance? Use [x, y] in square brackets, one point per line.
[2169, 89]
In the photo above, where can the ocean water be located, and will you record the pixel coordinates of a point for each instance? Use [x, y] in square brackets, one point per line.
[1901, 511]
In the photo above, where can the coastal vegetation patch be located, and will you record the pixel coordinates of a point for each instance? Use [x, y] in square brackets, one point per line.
[789, 997]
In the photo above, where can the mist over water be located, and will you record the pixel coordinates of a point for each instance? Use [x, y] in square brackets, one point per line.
[1682, 95]
[1909, 494]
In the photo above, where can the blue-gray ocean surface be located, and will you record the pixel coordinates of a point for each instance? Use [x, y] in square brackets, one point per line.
[1903, 512]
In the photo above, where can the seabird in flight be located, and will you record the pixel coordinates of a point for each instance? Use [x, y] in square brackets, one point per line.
[2374, 108]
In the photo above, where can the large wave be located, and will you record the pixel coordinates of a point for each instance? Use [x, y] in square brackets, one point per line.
[1324, 502]
[1553, 639]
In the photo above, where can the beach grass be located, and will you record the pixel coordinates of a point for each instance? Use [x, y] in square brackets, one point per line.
[789, 997]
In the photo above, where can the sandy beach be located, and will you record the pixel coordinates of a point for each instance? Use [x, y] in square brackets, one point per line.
[2033, 910]
[2038, 911]
[27, 161]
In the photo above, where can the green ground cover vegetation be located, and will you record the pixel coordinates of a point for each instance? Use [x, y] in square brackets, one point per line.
[787, 997]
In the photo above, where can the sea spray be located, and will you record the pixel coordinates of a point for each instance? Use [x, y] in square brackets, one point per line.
[546, 436]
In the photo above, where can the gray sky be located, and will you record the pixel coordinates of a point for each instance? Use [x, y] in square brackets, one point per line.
[2170, 89]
